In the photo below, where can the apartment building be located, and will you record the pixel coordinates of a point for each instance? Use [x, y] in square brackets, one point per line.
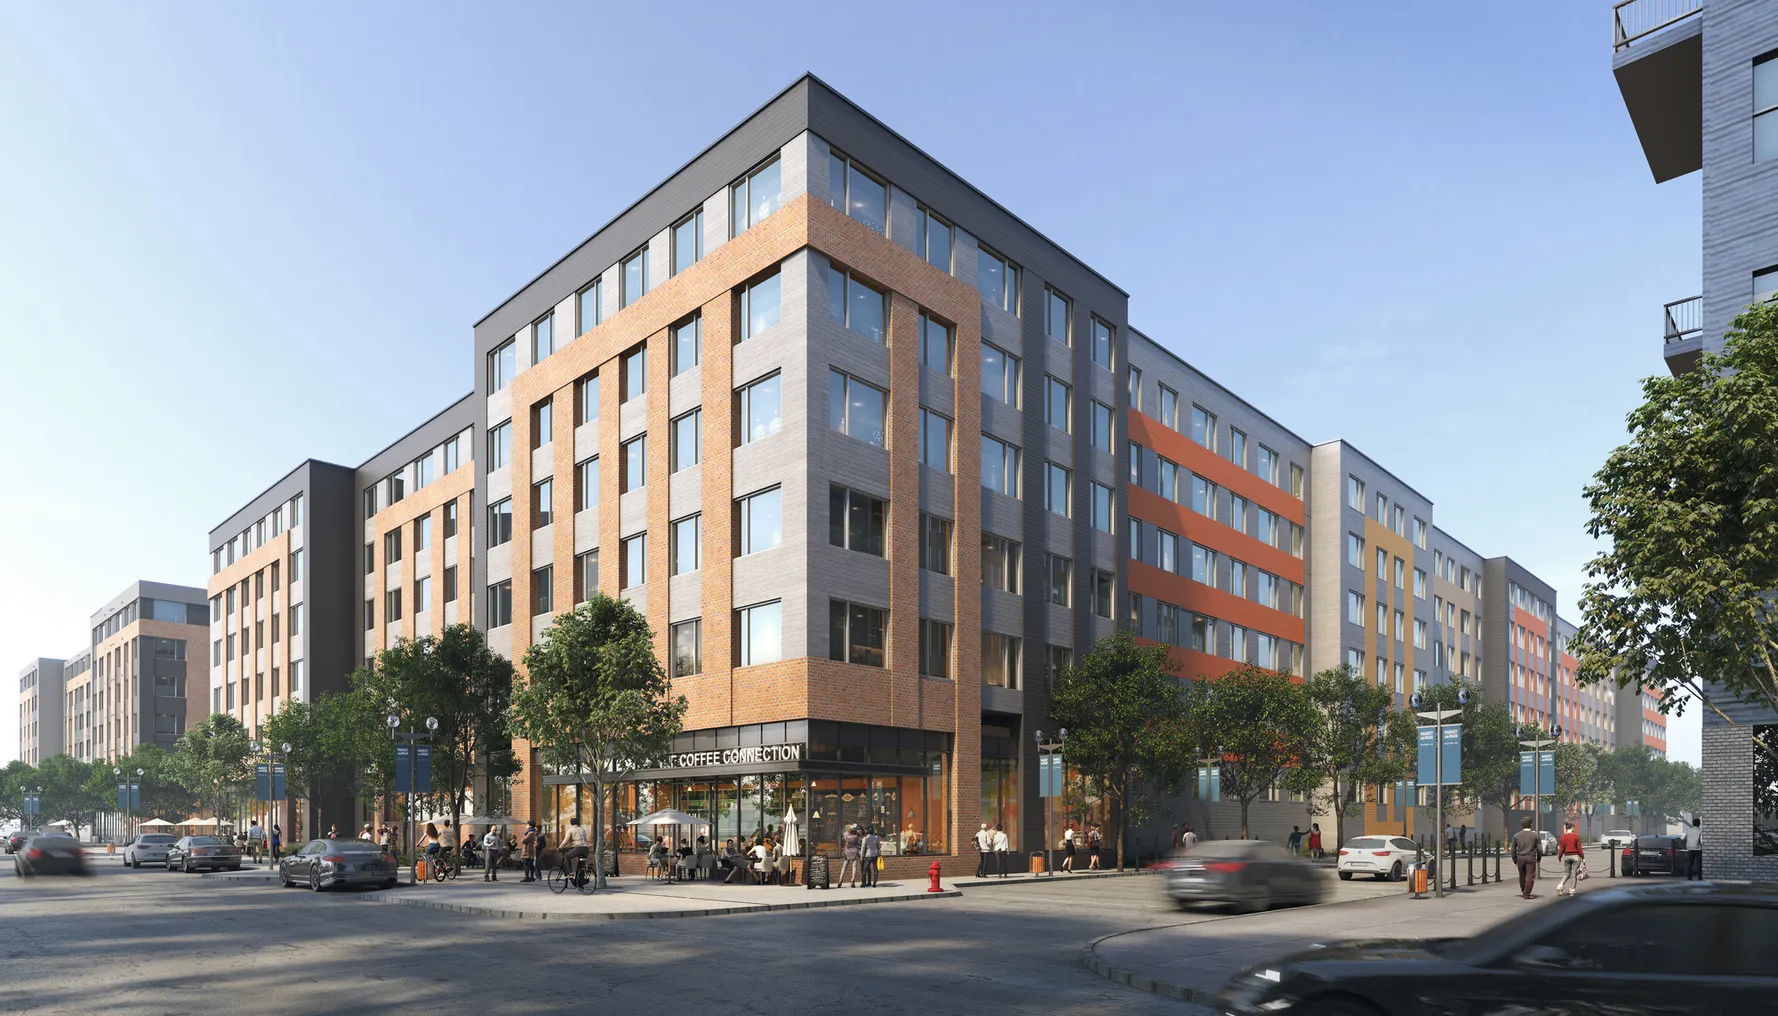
[1456, 619]
[1637, 716]
[1589, 713]
[77, 720]
[134, 689]
[40, 710]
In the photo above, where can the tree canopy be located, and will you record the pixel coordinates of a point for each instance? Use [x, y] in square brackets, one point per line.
[213, 759]
[1264, 727]
[1361, 740]
[334, 742]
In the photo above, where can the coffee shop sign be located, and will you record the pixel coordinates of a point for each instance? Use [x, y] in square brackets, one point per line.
[758, 754]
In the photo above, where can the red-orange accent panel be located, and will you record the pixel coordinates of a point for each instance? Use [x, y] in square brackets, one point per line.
[1182, 450]
[1150, 581]
[1180, 519]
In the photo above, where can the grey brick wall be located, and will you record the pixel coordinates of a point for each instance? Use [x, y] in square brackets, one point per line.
[1728, 807]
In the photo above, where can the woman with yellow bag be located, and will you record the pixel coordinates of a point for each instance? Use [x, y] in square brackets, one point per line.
[873, 856]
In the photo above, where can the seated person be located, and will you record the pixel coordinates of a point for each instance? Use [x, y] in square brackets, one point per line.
[730, 857]
[470, 857]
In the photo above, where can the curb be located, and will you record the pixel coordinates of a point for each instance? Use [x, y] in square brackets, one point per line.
[1026, 879]
[655, 915]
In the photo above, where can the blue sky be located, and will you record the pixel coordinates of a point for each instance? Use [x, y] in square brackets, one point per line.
[1425, 228]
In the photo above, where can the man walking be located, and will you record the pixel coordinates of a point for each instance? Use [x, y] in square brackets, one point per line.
[1526, 851]
[873, 853]
[255, 838]
[528, 851]
[1694, 850]
[1188, 840]
[492, 845]
[1568, 848]
[984, 845]
[1000, 848]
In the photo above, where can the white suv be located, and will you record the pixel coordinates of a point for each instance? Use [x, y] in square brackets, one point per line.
[147, 848]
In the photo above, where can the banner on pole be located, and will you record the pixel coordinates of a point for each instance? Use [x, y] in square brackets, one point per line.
[404, 768]
[1427, 771]
[262, 782]
[1049, 776]
[1210, 783]
[422, 769]
[277, 781]
[1542, 779]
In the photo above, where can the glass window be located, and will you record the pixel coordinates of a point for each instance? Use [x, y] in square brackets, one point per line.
[1000, 466]
[760, 414]
[635, 277]
[754, 196]
[688, 241]
[997, 279]
[1101, 508]
[1057, 489]
[761, 522]
[688, 440]
[635, 464]
[1419, 532]
[1765, 282]
[687, 539]
[761, 305]
[1203, 496]
[296, 573]
[391, 546]
[1000, 660]
[422, 471]
[935, 648]
[1203, 565]
[688, 345]
[543, 337]
[855, 408]
[1237, 519]
[586, 485]
[1169, 407]
[857, 193]
[855, 520]
[935, 440]
[935, 544]
[1355, 550]
[590, 303]
[1055, 316]
[857, 306]
[635, 365]
[1166, 551]
[935, 241]
[423, 532]
[1061, 580]
[1265, 463]
[688, 653]
[1354, 493]
[1101, 348]
[543, 423]
[1354, 608]
[1000, 375]
[542, 503]
[1101, 590]
[452, 455]
[543, 590]
[1765, 109]
[1000, 562]
[759, 634]
[935, 345]
[586, 396]
[633, 561]
[1204, 429]
[1136, 389]
[586, 576]
[1057, 399]
[502, 365]
[1101, 435]
[1419, 584]
[855, 633]
[395, 487]
[500, 604]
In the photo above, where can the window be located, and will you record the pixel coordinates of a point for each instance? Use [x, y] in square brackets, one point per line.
[1400, 631]
[590, 304]
[635, 464]
[392, 606]
[761, 524]
[450, 584]
[586, 399]
[935, 648]
[543, 337]
[855, 633]
[1166, 551]
[1136, 389]
[935, 544]
[500, 445]
[1419, 634]
[1101, 519]
[1000, 375]
[1203, 496]
[855, 520]
[934, 241]
[688, 241]
[542, 423]
[935, 440]
[1101, 591]
[935, 345]
[1237, 519]
[395, 486]
[1000, 562]
[1057, 398]
[1355, 550]
[1354, 608]
[759, 634]
[1136, 454]
[500, 522]
[370, 558]
[1101, 343]
[1061, 580]
[1237, 642]
[1000, 660]
[1395, 520]
[586, 485]
[543, 508]
[1101, 425]
[1169, 407]
[857, 193]
[687, 539]
[855, 408]
[1419, 584]
[1400, 574]
[422, 594]
[688, 438]
[1238, 578]
[760, 415]
[855, 305]
[586, 576]
[1204, 429]
[1354, 493]
[633, 561]
[422, 472]
[1203, 565]
[1355, 660]
[502, 365]
[422, 533]
[1057, 492]
[634, 277]
[1765, 109]
[997, 279]
[1419, 532]
[1296, 480]
[753, 197]
[296, 570]
[391, 546]
[688, 345]
[1055, 316]
[635, 364]
[688, 655]
[1765, 281]
[1265, 463]
[500, 604]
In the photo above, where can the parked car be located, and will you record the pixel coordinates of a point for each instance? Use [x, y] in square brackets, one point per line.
[1617, 839]
[319, 864]
[191, 853]
[1247, 874]
[147, 848]
[16, 841]
[50, 854]
[1594, 953]
[1384, 857]
[1655, 855]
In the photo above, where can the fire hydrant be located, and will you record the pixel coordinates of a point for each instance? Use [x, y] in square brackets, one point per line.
[932, 873]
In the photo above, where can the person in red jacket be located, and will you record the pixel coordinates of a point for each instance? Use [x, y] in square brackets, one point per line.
[1568, 848]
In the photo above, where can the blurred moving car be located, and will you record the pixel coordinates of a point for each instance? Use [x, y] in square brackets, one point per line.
[1384, 857]
[1595, 953]
[193, 853]
[147, 848]
[50, 854]
[1251, 875]
[323, 863]
[17, 840]
[1655, 855]
[1617, 839]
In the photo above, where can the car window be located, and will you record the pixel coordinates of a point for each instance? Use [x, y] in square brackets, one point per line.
[1403, 843]
[201, 841]
[315, 847]
[154, 838]
[1748, 944]
[1367, 843]
[1648, 938]
[1270, 852]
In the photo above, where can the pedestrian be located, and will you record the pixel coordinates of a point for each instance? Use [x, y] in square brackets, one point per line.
[1188, 840]
[1315, 850]
[1450, 839]
[255, 839]
[528, 851]
[333, 831]
[1174, 839]
[1296, 839]
[872, 849]
[367, 835]
[277, 840]
[1000, 849]
[984, 845]
[851, 852]
[1573, 856]
[1463, 835]
[1094, 838]
[493, 845]
[1527, 848]
[1068, 848]
[575, 844]
[1694, 850]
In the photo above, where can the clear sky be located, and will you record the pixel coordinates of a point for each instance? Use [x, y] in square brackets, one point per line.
[1425, 228]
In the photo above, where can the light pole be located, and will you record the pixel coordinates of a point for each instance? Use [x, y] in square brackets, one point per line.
[1537, 747]
[131, 790]
[274, 760]
[33, 804]
[1438, 718]
[1049, 778]
[412, 737]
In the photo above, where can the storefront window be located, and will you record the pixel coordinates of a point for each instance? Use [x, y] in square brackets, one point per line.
[1000, 796]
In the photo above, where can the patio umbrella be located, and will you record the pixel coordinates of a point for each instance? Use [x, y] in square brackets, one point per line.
[155, 823]
[792, 836]
[201, 823]
[492, 820]
[667, 817]
[61, 822]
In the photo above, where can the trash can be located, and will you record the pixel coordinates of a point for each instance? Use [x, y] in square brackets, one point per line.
[1417, 877]
[1036, 862]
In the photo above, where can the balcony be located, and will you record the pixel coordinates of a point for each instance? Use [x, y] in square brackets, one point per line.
[1682, 339]
[1658, 61]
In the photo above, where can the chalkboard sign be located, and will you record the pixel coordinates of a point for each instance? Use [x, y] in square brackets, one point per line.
[815, 872]
[610, 863]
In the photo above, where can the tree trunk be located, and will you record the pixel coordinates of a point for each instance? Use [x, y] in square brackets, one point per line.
[1339, 822]
[599, 828]
[1244, 803]
[1117, 817]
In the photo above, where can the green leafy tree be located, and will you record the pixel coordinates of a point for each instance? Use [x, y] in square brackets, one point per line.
[213, 760]
[1124, 710]
[1363, 740]
[1682, 598]
[14, 780]
[1490, 750]
[163, 795]
[1661, 787]
[1266, 729]
[69, 793]
[1578, 784]
[598, 699]
[333, 741]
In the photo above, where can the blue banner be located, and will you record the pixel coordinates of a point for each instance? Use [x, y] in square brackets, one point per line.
[422, 769]
[1541, 781]
[1210, 783]
[262, 784]
[1427, 771]
[404, 769]
[1049, 776]
[1452, 749]
[129, 796]
[277, 781]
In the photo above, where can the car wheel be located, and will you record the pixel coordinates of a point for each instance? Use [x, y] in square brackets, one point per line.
[389, 884]
[1395, 872]
[314, 881]
[186, 866]
[284, 878]
[1345, 876]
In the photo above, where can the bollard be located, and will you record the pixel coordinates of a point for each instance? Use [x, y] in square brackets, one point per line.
[932, 873]
[1471, 852]
[1611, 860]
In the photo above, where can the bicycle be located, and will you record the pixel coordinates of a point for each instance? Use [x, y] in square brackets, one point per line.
[559, 878]
[439, 865]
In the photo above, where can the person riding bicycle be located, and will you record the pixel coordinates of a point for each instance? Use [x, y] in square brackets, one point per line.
[574, 854]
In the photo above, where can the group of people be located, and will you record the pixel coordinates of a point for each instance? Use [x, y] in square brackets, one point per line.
[991, 845]
[1185, 837]
[253, 840]
[1308, 844]
[1073, 840]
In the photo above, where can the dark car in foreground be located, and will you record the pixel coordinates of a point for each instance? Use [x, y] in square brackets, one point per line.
[50, 854]
[1677, 948]
[1655, 855]
[203, 853]
[1246, 874]
[321, 864]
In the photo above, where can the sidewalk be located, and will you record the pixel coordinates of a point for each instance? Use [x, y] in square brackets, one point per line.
[635, 897]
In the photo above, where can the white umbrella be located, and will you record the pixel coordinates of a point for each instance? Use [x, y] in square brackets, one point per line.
[201, 823]
[61, 822]
[667, 817]
[155, 823]
[492, 820]
[791, 837]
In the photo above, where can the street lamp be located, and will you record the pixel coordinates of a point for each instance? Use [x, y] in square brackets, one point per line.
[131, 790]
[1537, 747]
[274, 761]
[412, 737]
[33, 805]
[1049, 778]
[1438, 718]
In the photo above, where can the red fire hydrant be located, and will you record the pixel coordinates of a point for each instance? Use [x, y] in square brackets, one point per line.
[932, 873]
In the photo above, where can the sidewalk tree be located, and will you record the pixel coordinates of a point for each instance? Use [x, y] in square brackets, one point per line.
[1266, 730]
[212, 759]
[1490, 750]
[333, 741]
[1363, 741]
[1124, 710]
[14, 780]
[598, 700]
[69, 793]
[163, 795]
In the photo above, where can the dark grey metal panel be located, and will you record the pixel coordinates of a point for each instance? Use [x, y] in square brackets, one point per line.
[410, 446]
[294, 482]
[328, 582]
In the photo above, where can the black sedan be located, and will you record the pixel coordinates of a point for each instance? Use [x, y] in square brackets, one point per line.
[1693, 947]
[320, 864]
[1655, 855]
[17, 840]
[50, 854]
[1245, 874]
[197, 853]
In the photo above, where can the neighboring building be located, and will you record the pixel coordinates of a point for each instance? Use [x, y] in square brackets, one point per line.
[40, 710]
[1586, 713]
[1519, 620]
[1457, 611]
[135, 689]
[77, 719]
[1638, 718]
[1700, 82]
